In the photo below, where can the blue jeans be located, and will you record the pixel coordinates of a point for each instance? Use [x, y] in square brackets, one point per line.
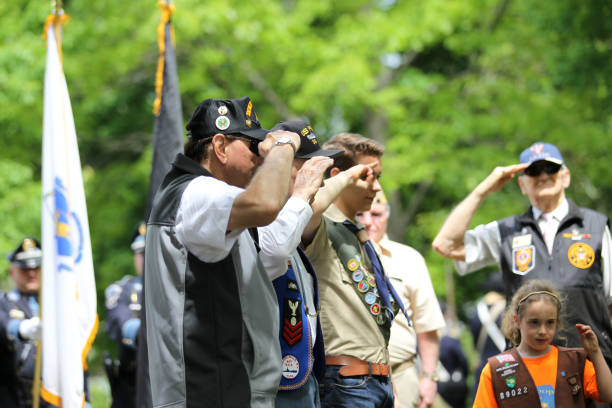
[361, 391]
[305, 397]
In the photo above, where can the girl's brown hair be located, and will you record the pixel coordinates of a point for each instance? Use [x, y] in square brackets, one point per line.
[531, 291]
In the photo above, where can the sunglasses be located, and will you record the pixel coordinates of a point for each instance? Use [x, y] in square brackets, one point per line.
[253, 143]
[542, 166]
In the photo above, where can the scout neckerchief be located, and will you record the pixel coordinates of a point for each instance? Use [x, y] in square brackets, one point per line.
[347, 248]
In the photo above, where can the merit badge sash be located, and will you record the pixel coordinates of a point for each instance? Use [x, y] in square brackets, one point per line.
[348, 250]
[295, 336]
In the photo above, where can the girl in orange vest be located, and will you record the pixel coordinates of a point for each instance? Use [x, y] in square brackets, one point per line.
[535, 373]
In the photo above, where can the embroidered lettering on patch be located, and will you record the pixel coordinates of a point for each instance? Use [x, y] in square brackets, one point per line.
[581, 255]
[291, 367]
[523, 260]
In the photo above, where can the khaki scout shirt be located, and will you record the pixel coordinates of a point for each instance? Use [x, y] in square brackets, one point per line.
[348, 326]
[409, 276]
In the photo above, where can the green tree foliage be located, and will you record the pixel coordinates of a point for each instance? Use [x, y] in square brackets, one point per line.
[452, 87]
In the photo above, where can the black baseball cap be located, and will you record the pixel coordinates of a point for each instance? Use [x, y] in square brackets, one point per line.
[309, 145]
[27, 255]
[225, 116]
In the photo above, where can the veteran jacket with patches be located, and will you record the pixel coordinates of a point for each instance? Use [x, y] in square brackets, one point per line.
[212, 328]
[574, 266]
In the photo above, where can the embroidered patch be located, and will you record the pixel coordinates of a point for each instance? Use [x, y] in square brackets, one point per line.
[292, 285]
[581, 255]
[352, 264]
[372, 280]
[511, 382]
[505, 358]
[292, 321]
[291, 367]
[363, 286]
[222, 122]
[357, 275]
[370, 298]
[375, 309]
[523, 260]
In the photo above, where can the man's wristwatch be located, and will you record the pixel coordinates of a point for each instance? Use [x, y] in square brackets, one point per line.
[286, 140]
[432, 376]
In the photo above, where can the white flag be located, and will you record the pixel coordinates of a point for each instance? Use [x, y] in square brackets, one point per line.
[69, 314]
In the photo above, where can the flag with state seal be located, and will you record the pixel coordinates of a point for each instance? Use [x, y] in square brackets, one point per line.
[68, 291]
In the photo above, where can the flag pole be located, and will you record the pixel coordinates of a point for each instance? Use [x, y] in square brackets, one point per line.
[56, 9]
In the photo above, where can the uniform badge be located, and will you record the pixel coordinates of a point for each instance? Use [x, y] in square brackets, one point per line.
[372, 280]
[291, 367]
[574, 384]
[222, 122]
[352, 264]
[363, 286]
[511, 382]
[222, 110]
[248, 122]
[292, 285]
[357, 275]
[370, 298]
[581, 255]
[523, 260]
[375, 309]
[112, 294]
[16, 314]
[28, 245]
[292, 321]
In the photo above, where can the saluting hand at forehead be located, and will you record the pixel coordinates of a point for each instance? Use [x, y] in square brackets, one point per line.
[278, 136]
[499, 177]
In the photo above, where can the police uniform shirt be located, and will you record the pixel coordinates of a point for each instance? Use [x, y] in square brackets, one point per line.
[409, 275]
[483, 247]
[348, 326]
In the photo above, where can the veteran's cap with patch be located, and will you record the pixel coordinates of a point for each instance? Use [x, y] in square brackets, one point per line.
[225, 116]
[28, 254]
[138, 237]
[541, 151]
[309, 145]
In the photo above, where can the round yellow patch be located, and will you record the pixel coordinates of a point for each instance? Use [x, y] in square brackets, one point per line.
[352, 264]
[581, 255]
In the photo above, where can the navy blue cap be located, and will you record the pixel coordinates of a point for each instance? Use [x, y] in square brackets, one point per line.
[225, 116]
[541, 151]
[138, 237]
[309, 145]
[28, 254]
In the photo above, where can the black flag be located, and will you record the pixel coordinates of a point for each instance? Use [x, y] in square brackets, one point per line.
[167, 142]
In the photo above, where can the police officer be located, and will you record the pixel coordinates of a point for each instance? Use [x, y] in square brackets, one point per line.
[123, 305]
[20, 326]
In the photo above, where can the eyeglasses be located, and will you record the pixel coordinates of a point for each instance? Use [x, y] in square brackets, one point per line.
[542, 166]
[253, 143]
